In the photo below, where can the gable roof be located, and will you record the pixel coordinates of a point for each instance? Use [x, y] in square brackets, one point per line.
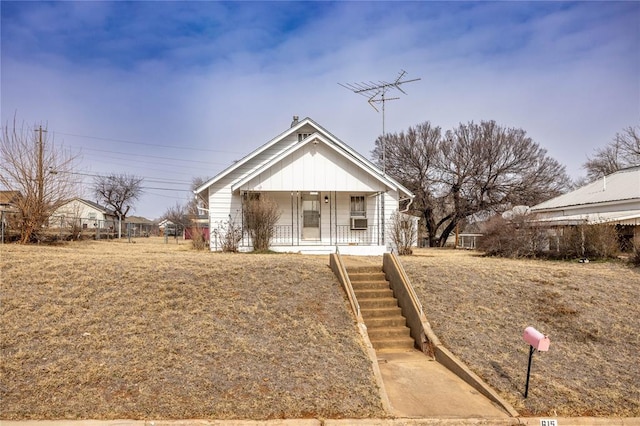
[315, 138]
[9, 197]
[621, 186]
[139, 220]
[91, 204]
[321, 135]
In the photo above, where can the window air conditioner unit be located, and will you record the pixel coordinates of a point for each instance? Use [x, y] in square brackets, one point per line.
[358, 223]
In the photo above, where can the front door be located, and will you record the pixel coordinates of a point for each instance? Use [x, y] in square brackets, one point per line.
[311, 216]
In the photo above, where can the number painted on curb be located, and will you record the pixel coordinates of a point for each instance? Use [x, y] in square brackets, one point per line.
[548, 422]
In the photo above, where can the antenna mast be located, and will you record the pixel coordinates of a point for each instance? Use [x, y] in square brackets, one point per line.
[375, 92]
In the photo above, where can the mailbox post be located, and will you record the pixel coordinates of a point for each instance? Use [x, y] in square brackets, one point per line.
[537, 341]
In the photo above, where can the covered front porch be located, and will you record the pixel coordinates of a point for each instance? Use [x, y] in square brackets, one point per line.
[323, 221]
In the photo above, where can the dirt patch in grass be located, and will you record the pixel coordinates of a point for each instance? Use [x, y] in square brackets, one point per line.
[108, 330]
[480, 306]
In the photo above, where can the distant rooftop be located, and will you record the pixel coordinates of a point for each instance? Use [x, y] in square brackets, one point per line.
[619, 186]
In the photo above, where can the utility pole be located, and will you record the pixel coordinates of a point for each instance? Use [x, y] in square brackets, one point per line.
[40, 171]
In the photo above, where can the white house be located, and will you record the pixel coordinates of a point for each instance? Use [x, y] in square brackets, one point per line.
[613, 199]
[328, 195]
[83, 214]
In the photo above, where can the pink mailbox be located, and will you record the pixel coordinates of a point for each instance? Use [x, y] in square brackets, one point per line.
[536, 339]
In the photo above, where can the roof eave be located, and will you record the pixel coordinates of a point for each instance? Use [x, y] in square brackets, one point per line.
[252, 154]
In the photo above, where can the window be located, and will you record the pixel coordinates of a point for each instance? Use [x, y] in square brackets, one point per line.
[302, 136]
[93, 215]
[358, 208]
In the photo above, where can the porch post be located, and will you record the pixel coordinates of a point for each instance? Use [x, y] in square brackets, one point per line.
[291, 217]
[335, 215]
[330, 222]
[383, 218]
[242, 197]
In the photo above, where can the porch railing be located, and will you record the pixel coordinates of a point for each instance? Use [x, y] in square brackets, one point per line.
[288, 235]
[370, 236]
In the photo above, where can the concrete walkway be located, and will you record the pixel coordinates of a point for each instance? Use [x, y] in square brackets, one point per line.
[420, 387]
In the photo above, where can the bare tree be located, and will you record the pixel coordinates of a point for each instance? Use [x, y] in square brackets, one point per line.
[41, 172]
[413, 158]
[623, 151]
[118, 191]
[178, 215]
[473, 169]
[199, 202]
[198, 207]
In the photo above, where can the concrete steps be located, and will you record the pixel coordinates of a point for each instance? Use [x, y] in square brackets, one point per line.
[383, 317]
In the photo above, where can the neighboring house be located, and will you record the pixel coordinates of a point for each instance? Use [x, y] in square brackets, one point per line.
[168, 228]
[328, 195]
[470, 235]
[83, 214]
[613, 199]
[8, 200]
[138, 226]
[9, 213]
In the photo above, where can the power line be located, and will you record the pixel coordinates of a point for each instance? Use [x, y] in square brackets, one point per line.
[145, 178]
[138, 162]
[142, 155]
[146, 144]
[165, 189]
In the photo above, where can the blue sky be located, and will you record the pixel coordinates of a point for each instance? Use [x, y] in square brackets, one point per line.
[173, 90]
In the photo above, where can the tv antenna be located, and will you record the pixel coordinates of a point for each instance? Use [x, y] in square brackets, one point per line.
[376, 93]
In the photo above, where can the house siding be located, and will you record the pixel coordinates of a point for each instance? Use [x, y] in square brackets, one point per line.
[314, 168]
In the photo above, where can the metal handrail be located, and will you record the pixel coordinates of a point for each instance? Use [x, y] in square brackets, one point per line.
[405, 278]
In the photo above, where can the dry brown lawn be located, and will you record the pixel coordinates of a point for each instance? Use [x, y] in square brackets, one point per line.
[108, 330]
[480, 306]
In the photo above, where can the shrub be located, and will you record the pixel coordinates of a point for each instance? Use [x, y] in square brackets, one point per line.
[513, 238]
[635, 257]
[589, 241]
[228, 236]
[198, 242]
[260, 216]
[521, 237]
[403, 233]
